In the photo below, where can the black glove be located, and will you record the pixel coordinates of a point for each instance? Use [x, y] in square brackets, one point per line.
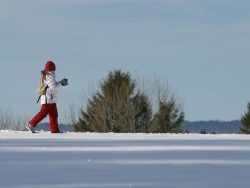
[64, 82]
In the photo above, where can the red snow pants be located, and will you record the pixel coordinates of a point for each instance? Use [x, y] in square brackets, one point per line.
[47, 109]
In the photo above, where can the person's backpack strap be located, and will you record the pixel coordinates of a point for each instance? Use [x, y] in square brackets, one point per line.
[38, 99]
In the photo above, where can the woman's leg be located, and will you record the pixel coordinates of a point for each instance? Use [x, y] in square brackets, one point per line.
[45, 108]
[53, 115]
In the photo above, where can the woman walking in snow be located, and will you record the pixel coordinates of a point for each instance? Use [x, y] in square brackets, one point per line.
[48, 95]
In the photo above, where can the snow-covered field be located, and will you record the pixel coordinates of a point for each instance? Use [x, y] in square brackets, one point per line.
[87, 160]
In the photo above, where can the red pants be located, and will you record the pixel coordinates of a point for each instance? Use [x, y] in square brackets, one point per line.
[47, 109]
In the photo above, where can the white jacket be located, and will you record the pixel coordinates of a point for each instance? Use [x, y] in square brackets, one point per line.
[51, 94]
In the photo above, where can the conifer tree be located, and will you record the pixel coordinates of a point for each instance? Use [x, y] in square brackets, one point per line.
[143, 113]
[116, 108]
[245, 121]
[169, 117]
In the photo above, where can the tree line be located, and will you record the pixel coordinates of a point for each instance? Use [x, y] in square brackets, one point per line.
[119, 106]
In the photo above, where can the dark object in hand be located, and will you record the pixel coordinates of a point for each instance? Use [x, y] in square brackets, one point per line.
[64, 82]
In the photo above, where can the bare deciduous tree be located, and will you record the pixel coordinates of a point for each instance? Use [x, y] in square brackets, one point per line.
[9, 121]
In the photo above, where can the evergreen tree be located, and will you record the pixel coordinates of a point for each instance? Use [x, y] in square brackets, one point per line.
[245, 121]
[86, 121]
[143, 113]
[116, 108]
[169, 117]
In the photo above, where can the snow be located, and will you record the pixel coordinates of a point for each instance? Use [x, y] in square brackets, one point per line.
[93, 160]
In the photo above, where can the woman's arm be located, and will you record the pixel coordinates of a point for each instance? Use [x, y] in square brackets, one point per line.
[52, 83]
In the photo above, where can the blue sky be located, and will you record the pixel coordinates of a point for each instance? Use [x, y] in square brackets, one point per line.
[200, 46]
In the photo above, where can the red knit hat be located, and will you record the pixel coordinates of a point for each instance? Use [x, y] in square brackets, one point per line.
[50, 66]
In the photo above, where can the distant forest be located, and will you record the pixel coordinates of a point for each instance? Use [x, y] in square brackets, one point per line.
[212, 127]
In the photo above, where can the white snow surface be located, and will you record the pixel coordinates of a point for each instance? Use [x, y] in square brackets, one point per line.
[93, 160]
